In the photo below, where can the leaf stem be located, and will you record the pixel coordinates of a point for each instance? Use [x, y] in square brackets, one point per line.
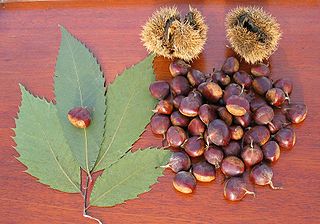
[93, 218]
[86, 154]
[85, 200]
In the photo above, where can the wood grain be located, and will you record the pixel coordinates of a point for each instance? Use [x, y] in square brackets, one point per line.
[29, 41]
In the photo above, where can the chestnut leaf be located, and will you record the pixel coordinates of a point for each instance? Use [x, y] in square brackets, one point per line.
[79, 82]
[42, 146]
[129, 109]
[128, 177]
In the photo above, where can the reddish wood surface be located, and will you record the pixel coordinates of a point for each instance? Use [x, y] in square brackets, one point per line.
[29, 40]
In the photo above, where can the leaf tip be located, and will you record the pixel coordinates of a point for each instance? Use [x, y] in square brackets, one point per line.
[62, 28]
[64, 31]
[22, 87]
[23, 90]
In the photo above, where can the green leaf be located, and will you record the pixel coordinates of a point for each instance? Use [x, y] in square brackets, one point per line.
[42, 146]
[80, 82]
[129, 110]
[130, 176]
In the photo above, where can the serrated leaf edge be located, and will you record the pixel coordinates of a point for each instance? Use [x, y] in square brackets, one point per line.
[136, 196]
[81, 100]
[119, 75]
[22, 88]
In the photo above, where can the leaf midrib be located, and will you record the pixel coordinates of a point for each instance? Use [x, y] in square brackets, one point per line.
[50, 147]
[81, 102]
[118, 127]
[76, 71]
[121, 182]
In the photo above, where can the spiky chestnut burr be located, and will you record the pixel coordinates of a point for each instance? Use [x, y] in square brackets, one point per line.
[79, 117]
[171, 35]
[253, 33]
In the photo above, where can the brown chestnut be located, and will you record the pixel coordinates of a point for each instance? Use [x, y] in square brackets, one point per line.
[236, 132]
[159, 89]
[164, 107]
[232, 166]
[195, 77]
[194, 146]
[184, 182]
[271, 151]
[159, 124]
[79, 117]
[214, 156]
[207, 113]
[261, 85]
[204, 172]
[176, 136]
[180, 85]
[179, 67]
[196, 127]
[263, 115]
[286, 138]
[230, 66]
[237, 105]
[178, 119]
[211, 91]
[258, 134]
[218, 132]
[225, 115]
[275, 97]
[296, 113]
[251, 155]
[260, 70]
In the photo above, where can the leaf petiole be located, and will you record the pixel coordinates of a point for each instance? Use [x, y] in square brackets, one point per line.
[85, 200]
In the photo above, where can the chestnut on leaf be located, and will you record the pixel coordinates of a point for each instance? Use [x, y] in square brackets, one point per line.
[79, 117]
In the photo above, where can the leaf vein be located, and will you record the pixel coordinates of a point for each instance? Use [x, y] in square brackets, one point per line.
[118, 127]
[50, 147]
[75, 69]
[121, 182]
[81, 101]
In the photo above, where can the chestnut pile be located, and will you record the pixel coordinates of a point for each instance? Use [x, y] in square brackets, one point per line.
[229, 120]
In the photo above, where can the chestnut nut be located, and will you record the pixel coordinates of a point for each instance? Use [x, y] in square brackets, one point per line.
[79, 117]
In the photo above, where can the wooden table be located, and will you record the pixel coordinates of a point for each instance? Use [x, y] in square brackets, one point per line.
[29, 41]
